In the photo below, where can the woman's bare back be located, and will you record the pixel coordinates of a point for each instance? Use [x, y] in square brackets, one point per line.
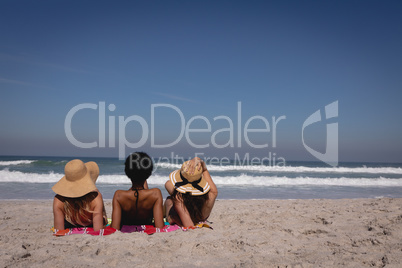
[137, 207]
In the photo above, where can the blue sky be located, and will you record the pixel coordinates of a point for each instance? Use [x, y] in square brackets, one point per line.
[277, 58]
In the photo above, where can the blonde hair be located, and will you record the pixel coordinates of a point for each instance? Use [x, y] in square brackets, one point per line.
[78, 210]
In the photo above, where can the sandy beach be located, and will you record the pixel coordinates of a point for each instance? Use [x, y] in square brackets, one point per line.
[247, 233]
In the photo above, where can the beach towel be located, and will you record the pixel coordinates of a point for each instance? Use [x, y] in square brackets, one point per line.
[148, 229]
[85, 230]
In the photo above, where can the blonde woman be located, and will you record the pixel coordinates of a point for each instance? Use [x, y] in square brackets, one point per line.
[78, 203]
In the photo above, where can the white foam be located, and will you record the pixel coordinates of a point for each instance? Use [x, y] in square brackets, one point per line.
[306, 181]
[17, 176]
[17, 162]
[168, 165]
[241, 180]
[291, 169]
[247, 180]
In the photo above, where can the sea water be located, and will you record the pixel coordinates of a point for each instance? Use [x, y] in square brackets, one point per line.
[33, 178]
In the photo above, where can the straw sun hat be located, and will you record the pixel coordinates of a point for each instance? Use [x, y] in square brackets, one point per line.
[93, 169]
[79, 179]
[184, 182]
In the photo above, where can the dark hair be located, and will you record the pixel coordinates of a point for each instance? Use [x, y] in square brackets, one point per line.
[138, 167]
[193, 204]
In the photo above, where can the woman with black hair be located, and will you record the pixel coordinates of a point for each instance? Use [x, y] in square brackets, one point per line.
[192, 194]
[138, 205]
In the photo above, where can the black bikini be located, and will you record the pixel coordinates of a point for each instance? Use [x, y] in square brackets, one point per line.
[139, 222]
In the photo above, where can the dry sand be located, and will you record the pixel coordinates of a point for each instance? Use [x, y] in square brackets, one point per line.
[247, 233]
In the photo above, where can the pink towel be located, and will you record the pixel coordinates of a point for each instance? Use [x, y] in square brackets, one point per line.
[86, 230]
[148, 229]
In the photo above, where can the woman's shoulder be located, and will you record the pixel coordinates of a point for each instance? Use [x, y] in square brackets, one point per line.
[97, 201]
[119, 194]
[58, 201]
[153, 192]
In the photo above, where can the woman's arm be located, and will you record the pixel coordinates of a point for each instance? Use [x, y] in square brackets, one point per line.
[197, 163]
[158, 209]
[183, 213]
[208, 178]
[179, 207]
[116, 212]
[97, 217]
[58, 214]
[169, 187]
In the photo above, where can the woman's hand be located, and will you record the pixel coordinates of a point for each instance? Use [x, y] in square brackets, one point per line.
[195, 164]
[203, 166]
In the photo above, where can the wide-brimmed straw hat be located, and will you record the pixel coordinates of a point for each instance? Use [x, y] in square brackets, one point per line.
[184, 182]
[77, 181]
[93, 170]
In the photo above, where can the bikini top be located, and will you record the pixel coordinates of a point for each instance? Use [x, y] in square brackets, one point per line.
[136, 194]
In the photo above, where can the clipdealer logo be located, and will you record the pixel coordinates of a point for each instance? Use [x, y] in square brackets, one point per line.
[242, 131]
[331, 151]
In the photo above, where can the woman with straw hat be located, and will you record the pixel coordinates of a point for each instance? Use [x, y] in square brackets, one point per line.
[78, 203]
[192, 194]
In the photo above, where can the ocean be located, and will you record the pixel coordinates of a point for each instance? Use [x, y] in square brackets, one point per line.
[33, 177]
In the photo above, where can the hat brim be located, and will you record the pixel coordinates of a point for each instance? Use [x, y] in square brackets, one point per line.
[188, 188]
[93, 169]
[76, 188]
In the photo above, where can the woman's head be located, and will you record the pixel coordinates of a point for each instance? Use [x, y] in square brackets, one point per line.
[138, 167]
[189, 183]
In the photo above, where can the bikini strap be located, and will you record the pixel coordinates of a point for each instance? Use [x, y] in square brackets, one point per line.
[136, 194]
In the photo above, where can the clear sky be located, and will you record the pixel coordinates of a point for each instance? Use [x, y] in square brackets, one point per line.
[201, 60]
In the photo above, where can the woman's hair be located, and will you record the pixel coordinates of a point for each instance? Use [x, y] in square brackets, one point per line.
[193, 204]
[138, 167]
[78, 210]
